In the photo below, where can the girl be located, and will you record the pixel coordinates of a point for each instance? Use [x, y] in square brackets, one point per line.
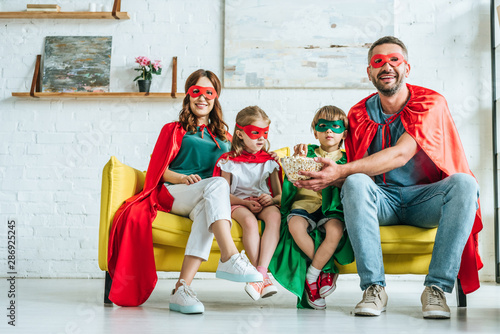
[183, 158]
[249, 169]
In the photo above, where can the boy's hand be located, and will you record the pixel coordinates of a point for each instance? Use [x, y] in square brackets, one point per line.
[265, 200]
[300, 149]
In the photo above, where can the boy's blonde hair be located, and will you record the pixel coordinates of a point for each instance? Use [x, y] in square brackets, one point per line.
[330, 113]
[246, 117]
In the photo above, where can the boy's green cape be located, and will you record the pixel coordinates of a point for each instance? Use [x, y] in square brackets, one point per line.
[289, 264]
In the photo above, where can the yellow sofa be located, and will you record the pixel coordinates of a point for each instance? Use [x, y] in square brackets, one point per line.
[406, 249]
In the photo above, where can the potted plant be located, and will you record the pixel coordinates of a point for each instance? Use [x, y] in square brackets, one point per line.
[147, 69]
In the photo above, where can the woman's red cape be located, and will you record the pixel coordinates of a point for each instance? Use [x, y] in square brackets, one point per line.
[131, 262]
[427, 119]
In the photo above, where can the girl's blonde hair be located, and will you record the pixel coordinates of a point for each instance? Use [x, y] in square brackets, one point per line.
[330, 113]
[246, 117]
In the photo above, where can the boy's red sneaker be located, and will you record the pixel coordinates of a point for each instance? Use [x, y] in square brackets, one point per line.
[327, 283]
[313, 297]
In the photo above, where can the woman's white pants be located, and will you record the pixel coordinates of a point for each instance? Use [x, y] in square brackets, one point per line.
[204, 203]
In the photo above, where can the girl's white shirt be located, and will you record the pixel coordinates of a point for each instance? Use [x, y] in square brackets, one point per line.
[249, 179]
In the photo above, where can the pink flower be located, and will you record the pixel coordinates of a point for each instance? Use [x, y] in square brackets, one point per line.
[143, 61]
[157, 65]
[147, 68]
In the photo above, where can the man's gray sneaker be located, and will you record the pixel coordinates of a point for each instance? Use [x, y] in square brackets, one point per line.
[434, 303]
[373, 303]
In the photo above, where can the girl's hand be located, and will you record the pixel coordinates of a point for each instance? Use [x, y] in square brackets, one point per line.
[190, 179]
[274, 155]
[265, 200]
[253, 206]
[300, 149]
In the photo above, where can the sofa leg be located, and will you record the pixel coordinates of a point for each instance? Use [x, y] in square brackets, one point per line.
[461, 297]
[107, 288]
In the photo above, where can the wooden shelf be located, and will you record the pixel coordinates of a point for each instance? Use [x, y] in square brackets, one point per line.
[65, 15]
[115, 14]
[99, 95]
[35, 91]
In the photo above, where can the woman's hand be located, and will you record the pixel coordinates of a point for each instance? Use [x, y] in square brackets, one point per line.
[300, 149]
[253, 205]
[190, 179]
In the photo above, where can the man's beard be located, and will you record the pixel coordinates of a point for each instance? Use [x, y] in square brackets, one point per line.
[385, 90]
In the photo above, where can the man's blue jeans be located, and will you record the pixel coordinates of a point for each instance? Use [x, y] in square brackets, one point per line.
[449, 204]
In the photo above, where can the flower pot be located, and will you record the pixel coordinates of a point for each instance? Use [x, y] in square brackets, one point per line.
[144, 85]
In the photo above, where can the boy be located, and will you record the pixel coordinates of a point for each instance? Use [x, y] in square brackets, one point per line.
[312, 231]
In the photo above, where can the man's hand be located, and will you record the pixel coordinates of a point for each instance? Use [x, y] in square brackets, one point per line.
[327, 176]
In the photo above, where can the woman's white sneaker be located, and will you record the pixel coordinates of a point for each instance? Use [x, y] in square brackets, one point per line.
[238, 269]
[184, 300]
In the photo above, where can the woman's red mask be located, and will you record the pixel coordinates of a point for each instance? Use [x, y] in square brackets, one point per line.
[208, 92]
[394, 59]
[254, 132]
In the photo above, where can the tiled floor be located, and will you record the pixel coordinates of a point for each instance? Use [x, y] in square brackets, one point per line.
[75, 306]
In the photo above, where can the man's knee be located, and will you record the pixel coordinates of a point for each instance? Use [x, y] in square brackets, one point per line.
[356, 183]
[464, 185]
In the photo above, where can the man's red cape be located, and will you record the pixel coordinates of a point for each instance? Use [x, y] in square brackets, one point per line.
[427, 119]
[245, 157]
[131, 262]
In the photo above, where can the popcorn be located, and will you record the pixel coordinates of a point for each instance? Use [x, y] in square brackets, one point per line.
[292, 166]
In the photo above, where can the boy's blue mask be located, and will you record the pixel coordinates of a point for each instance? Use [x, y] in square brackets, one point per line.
[336, 126]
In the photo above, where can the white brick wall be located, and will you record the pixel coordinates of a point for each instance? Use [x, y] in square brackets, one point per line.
[52, 151]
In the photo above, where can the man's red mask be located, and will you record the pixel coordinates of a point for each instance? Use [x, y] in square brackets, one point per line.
[208, 92]
[394, 59]
[254, 132]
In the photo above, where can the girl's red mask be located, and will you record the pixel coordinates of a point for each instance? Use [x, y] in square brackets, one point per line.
[208, 92]
[254, 132]
[394, 59]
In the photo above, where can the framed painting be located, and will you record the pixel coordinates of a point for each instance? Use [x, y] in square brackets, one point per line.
[76, 64]
[302, 44]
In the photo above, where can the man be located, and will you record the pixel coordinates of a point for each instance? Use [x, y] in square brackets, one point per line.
[406, 166]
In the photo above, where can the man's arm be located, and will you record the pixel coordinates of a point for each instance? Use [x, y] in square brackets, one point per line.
[378, 163]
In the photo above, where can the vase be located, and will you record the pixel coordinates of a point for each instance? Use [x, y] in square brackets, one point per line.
[144, 85]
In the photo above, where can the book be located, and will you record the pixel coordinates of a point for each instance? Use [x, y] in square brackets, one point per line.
[42, 8]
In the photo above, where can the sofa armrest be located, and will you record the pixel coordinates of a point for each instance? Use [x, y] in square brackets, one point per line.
[119, 182]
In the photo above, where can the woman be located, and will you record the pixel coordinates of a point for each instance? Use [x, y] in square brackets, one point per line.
[179, 180]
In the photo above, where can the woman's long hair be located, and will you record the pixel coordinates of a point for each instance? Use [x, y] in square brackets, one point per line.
[186, 117]
[246, 117]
